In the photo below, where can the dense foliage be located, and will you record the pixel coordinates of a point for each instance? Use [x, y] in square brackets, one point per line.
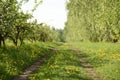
[43, 32]
[15, 25]
[94, 20]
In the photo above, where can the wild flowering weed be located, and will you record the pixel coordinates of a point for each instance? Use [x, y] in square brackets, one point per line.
[13, 60]
[105, 57]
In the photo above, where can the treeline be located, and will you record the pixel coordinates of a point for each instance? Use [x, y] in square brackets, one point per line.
[93, 20]
[15, 25]
[43, 32]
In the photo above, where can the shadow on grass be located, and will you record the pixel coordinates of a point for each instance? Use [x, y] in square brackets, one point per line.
[14, 60]
[62, 65]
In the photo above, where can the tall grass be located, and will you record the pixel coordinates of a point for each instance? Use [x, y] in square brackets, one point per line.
[13, 60]
[105, 57]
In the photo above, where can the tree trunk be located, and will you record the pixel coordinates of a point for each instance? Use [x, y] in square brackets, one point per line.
[15, 42]
[0, 40]
[16, 38]
[21, 41]
[3, 42]
[0, 43]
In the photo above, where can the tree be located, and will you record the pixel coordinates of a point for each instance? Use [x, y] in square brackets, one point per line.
[12, 21]
[20, 28]
[8, 9]
[94, 20]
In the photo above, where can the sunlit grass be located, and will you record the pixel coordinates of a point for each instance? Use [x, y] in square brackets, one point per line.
[13, 60]
[105, 57]
[63, 65]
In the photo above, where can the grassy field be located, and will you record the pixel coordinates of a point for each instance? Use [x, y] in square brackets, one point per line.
[13, 60]
[105, 57]
[63, 65]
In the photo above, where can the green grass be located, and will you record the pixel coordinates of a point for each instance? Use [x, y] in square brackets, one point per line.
[62, 65]
[105, 57]
[13, 60]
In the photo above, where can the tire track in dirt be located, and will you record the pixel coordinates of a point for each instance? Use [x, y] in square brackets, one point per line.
[34, 66]
[87, 66]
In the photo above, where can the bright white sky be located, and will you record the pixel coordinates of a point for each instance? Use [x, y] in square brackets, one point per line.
[51, 12]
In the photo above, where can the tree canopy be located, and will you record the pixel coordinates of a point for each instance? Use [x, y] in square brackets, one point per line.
[15, 24]
[94, 20]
